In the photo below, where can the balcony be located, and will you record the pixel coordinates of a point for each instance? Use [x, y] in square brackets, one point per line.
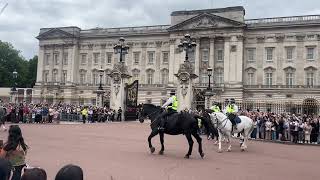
[280, 87]
[283, 20]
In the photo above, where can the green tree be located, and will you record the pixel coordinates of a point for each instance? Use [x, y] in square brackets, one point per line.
[10, 60]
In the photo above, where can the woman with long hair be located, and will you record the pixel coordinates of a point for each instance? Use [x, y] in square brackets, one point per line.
[15, 150]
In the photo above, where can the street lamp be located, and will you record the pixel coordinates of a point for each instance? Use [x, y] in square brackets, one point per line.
[209, 71]
[187, 45]
[101, 71]
[14, 89]
[121, 48]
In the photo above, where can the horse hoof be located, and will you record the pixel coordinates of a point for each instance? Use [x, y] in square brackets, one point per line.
[160, 152]
[228, 150]
[202, 155]
[186, 156]
[152, 149]
[219, 151]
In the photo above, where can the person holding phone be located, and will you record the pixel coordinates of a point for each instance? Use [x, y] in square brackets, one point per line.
[15, 150]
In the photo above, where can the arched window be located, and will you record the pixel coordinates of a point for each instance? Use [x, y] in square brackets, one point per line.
[290, 76]
[45, 76]
[150, 74]
[95, 77]
[135, 74]
[310, 76]
[219, 76]
[83, 75]
[250, 73]
[54, 75]
[164, 76]
[107, 77]
[269, 76]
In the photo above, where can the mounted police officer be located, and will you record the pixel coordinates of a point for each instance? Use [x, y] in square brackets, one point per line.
[231, 111]
[172, 107]
[215, 107]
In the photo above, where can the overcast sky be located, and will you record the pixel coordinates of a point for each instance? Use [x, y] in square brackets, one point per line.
[21, 20]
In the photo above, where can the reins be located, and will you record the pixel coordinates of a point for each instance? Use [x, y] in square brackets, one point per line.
[218, 124]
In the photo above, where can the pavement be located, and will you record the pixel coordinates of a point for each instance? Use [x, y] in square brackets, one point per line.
[119, 151]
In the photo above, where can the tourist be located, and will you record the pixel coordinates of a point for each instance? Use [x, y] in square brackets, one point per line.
[5, 170]
[268, 129]
[119, 114]
[34, 174]
[70, 172]
[2, 116]
[15, 151]
[307, 132]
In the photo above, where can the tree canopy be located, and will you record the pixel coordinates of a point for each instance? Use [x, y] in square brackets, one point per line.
[10, 60]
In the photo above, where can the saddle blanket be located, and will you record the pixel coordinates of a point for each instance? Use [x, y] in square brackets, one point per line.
[237, 120]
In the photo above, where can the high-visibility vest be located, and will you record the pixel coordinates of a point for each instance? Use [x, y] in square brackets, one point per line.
[215, 108]
[175, 103]
[230, 109]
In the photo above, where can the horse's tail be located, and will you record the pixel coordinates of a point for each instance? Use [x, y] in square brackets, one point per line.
[206, 123]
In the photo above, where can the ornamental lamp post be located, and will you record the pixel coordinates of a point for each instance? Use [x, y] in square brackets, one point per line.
[209, 71]
[101, 71]
[187, 44]
[14, 89]
[121, 49]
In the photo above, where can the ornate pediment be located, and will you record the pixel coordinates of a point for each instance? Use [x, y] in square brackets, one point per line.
[55, 33]
[204, 21]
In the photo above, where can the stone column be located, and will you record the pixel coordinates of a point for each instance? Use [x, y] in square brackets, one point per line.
[197, 58]
[211, 57]
[184, 93]
[120, 77]
[227, 59]
[172, 61]
[40, 66]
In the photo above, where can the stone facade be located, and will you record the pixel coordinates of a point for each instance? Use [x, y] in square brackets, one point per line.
[270, 59]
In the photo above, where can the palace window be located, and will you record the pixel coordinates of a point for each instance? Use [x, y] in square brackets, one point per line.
[219, 76]
[164, 76]
[289, 79]
[65, 58]
[150, 74]
[64, 76]
[135, 74]
[268, 78]
[250, 78]
[269, 54]
[109, 58]
[310, 79]
[289, 52]
[165, 56]
[56, 58]
[47, 58]
[45, 76]
[151, 57]
[96, 57]
[82, 77]
[83, 59]
[205, 55]
[107, 78]
[251, 54]
[220, 55]
[310, 53]
[54, 75]
[136, 57]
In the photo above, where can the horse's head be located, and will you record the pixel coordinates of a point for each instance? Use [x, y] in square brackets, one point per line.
[148, 111]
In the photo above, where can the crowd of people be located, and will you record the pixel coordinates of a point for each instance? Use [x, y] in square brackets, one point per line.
[13, 164]
[44, 113]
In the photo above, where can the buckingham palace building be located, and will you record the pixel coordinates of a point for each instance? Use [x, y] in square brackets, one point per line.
[253, 60]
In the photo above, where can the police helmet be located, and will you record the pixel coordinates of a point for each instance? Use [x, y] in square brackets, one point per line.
[226, 101]
[215, 103]
[232, 101]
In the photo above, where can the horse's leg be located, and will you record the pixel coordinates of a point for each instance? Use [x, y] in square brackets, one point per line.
[245, 140]
[190, 141]
[162, 143]
[152, 134]
[198, 138]
[220, 138]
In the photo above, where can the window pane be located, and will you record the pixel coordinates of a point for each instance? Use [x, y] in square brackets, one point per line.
[136, 56]
[109, 58]
[96, 58]
[83, 58]
[220, 55]
[151, 57]
[47, 59]
[251, 53]
[310, 53]
[165, 57]
[289, 53]
[269, 52]
[65, 58]
[205, 55]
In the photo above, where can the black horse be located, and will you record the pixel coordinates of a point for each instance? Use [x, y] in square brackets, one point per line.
[178, 123]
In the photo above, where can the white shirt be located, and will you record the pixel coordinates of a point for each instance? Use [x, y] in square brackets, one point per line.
[235, 107]
[169, 101]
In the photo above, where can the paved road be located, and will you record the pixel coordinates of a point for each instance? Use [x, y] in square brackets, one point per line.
[119, 151]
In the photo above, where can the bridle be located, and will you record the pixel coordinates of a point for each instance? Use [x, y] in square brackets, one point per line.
[219, 123]
[148, 115]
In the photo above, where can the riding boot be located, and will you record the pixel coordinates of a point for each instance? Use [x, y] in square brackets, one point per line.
[162, 123]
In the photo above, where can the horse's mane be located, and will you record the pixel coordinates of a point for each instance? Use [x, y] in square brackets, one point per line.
[220, 114]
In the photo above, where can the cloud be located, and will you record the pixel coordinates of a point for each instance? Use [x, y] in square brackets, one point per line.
[22, 19]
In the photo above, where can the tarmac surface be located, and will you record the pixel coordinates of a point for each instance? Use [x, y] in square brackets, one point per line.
[119, 151]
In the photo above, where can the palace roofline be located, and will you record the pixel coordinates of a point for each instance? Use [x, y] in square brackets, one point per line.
[217, 10]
